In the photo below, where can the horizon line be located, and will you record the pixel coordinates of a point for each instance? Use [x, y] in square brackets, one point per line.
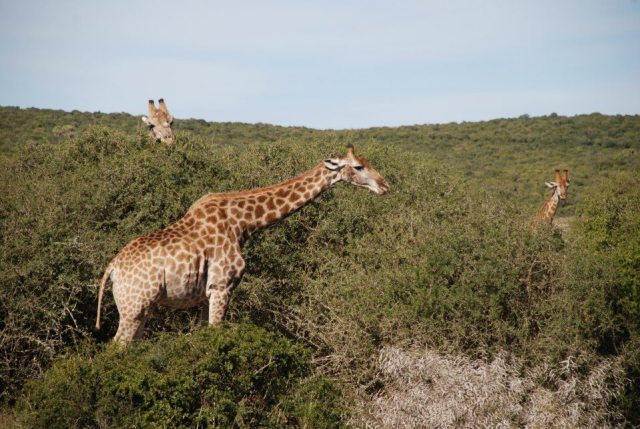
[522, 116]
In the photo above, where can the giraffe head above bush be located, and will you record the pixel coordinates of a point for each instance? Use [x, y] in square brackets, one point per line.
[560, 184]
[159, 122]
[357, 171]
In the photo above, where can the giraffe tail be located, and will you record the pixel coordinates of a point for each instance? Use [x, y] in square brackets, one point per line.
[103, 282]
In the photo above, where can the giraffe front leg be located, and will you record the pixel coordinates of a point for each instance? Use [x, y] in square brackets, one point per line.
[218, 300]
[219, 287]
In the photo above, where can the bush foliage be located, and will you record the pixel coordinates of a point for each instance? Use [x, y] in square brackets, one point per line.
[235, 376]
[446, 261]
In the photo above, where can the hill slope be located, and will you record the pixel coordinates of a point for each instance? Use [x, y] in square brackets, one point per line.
[445, 265]
[510, 156]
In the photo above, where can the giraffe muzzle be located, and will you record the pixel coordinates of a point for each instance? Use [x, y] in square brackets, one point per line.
[383, 188]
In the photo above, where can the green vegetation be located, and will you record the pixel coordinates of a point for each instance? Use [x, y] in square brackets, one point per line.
[446, 262]
[239, 376]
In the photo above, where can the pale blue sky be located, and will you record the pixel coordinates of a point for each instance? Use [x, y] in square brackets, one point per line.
[324, 64]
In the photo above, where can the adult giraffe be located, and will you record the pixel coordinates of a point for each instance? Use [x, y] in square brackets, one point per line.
[199, 258]
[548, 211]
[159, 122]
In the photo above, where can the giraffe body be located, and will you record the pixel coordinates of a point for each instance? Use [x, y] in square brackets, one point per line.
[198, 259]
[159, 122]
[548, 211]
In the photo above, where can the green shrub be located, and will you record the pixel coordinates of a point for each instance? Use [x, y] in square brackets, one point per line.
[445, 260]
[66, 209]
[604, 279]
[232, 376]
[449, 270]
[606, 262]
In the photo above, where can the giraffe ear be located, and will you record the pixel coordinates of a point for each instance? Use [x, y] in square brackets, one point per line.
[551, 184]
[334, 164]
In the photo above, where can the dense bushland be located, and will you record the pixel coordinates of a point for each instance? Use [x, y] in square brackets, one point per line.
[234, 376]
[604, 276]
[19, 126]
[510, 157]
[444, 263]
[67, 209]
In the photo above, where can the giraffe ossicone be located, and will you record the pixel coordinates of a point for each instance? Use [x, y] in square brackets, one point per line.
[198, 259]
[159, 122]
[548, 211]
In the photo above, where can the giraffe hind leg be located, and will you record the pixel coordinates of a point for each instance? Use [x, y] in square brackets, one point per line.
[129, 330]
[131, 327]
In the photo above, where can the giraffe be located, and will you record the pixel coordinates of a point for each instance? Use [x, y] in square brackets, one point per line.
[159, 122]
[198, 259]
[548, 210]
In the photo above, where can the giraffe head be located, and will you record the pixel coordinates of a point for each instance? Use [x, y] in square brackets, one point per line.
[561, 184]
[357, 171]
[159, 122]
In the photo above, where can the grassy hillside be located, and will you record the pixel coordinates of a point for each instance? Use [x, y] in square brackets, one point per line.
[19, 126]
[513, 157]
[370, 292]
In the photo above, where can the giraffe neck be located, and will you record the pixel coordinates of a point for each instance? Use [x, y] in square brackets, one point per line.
[279, 201]
[252, 210]
[548, 211]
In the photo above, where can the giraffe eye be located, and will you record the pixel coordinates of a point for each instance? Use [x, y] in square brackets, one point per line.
[359, 167]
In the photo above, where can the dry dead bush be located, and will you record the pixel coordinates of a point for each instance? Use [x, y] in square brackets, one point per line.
[431, 390]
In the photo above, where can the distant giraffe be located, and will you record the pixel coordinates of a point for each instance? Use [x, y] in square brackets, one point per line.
[199, 259]
[548, 210]
[159, 122]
